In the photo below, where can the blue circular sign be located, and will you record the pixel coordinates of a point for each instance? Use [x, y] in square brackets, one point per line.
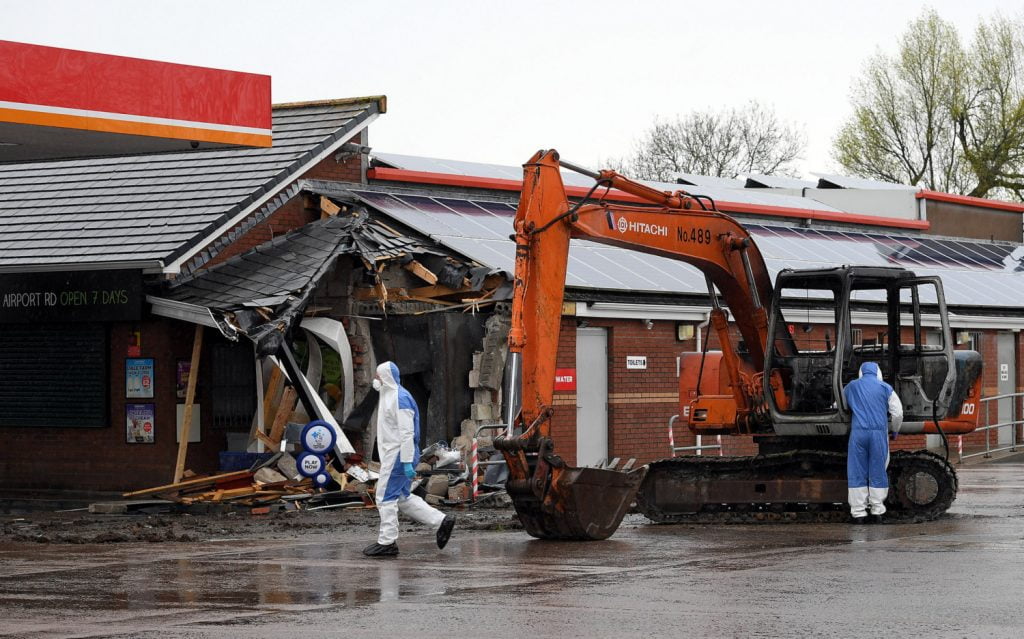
[318, 437]
[310, 464]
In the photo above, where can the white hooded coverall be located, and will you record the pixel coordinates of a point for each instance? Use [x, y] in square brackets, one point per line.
[398, 434]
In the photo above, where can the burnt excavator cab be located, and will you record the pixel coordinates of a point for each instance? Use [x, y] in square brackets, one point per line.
[813, 318]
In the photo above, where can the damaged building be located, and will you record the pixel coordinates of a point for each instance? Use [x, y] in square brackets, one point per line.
[275, 280]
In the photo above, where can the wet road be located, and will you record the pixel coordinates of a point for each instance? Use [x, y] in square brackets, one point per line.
[962, 576]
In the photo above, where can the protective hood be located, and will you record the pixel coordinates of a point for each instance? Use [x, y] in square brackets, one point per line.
[387, 406]
[870, 369]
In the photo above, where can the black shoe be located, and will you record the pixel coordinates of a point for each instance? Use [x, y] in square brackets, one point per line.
[445, 530]
[876, 519]
[863, 519]
[380, 550]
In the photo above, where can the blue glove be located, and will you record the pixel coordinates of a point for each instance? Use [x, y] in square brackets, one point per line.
[410, 472]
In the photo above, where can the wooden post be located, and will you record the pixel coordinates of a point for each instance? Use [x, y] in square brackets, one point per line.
[190, 396]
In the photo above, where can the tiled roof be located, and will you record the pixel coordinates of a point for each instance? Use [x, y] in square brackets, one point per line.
[283, 268]
[149, 210]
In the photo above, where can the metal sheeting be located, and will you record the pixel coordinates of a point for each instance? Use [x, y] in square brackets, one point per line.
[833, 181]
[973, 273]
[721, 189]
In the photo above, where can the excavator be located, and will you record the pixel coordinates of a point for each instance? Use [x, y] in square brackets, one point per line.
[765, 380]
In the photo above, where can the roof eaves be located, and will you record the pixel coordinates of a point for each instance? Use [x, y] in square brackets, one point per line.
[420, 177]
[381, 100]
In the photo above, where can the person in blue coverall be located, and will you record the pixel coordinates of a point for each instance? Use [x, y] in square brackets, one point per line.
[398, 435]
[873, 403]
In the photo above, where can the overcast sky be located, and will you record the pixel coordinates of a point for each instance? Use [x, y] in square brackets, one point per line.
[495, 81]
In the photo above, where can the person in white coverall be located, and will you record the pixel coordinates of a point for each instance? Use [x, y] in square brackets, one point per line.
[398, 435]
[873, 403]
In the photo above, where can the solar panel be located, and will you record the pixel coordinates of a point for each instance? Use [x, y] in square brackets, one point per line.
[973, 273]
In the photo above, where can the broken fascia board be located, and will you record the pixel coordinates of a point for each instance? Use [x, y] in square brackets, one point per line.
[190, 313]
[342, 446]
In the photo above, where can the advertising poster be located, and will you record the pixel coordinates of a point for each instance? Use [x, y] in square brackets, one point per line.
[138, 373]
[181, 383]
[141, 422]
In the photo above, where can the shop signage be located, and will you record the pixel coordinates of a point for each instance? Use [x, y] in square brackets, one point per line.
[565, 379]
[77, 296]
[636, 362]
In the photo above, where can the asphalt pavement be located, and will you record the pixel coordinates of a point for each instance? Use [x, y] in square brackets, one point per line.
[960, 576]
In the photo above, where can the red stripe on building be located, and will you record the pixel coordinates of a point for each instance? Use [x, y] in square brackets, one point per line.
[967, 200]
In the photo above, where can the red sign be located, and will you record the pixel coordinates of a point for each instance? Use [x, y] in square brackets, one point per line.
[44, 86]
[565, 379]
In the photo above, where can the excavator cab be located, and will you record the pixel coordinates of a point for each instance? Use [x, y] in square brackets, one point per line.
[814, 312]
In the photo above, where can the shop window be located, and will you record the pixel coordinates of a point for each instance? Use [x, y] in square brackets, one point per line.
[54, 375]
[233, 385]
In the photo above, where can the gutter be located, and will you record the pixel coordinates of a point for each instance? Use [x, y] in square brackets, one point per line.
[501, 184]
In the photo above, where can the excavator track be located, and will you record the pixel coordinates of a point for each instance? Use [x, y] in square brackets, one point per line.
[795, 486]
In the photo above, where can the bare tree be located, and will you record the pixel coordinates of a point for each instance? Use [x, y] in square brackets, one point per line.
[939, 114]
[718, 143]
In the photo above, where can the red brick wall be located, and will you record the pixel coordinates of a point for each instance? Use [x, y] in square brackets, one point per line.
[640, 402]
[100, 458]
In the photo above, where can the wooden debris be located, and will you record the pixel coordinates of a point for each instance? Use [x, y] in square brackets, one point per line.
[190, 398]
[421, 272]
[199, 482]
[328, 208]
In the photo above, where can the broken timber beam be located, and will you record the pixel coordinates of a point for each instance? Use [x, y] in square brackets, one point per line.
[198, 482]
[190, 398]
[421, 272]
[328, 208]
[284, 411]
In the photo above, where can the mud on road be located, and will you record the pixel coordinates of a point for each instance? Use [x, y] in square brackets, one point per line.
[80, 527]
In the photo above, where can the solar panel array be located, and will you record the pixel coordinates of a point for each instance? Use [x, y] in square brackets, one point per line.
[973, 273]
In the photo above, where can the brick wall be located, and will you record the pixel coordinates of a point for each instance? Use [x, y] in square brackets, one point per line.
[640, 402]
[100, 458]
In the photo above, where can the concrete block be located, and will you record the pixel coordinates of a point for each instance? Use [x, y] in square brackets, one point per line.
[433, 500]
[437, 485]
[483, 396]
[268, 476]
[474, 379]
[476, 359]
[481, 412]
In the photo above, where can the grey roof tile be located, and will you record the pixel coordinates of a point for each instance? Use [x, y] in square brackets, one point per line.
[155, 207]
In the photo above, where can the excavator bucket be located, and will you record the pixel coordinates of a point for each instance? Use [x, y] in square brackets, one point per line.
[557, 501]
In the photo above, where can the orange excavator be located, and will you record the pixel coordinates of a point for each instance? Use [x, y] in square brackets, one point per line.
[769, 382]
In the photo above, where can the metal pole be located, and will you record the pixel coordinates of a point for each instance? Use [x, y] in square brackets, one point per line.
[473, 470]
[512, 384]
[671, 439]
[988, 422]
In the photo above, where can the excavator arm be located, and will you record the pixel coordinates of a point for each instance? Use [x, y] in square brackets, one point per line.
[677, 225]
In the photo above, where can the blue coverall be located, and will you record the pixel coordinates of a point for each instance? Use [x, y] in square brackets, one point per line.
[872, 402]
